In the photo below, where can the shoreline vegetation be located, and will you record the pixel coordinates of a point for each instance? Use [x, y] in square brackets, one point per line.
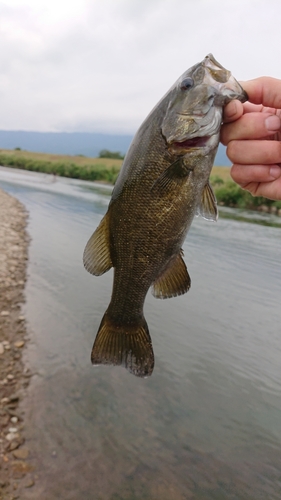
[106, 169]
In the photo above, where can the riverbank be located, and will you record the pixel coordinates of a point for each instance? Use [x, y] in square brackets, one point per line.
[75, 167]
[106, 170]
[15, 471]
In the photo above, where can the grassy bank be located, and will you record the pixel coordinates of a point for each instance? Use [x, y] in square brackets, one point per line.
[76, 167]
[107, 169]
[229, 194]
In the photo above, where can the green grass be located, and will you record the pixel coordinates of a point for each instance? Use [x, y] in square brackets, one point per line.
[76, 167]
[228, 193]
[106, 170]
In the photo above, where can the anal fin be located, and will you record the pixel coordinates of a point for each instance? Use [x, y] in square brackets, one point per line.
[96, 257]
[174, 281]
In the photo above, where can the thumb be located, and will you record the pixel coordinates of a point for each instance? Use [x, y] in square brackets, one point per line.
[264, 90]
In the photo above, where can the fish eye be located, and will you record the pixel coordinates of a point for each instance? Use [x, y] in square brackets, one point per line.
[187, 83]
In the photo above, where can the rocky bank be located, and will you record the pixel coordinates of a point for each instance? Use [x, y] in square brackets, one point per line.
[15, 470]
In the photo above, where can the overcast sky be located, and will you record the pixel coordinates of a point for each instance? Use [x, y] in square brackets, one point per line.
[101, 65]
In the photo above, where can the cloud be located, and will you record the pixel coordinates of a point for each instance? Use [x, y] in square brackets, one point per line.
[102, 66]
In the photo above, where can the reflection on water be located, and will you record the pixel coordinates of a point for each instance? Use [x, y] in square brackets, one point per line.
[255, 217]
[207, 424]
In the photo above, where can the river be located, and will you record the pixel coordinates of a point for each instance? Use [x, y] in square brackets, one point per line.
[207, 424]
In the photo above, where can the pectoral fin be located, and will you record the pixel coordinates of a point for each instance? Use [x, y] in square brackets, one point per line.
[96, 256]
[208, 205]
[174, 281]
[175, 174]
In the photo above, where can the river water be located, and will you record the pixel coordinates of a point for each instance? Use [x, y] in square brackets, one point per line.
[207, 424]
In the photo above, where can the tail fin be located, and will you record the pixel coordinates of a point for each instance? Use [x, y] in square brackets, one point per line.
[128, 345]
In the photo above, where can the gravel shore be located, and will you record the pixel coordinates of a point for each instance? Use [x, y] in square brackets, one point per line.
[15, 470]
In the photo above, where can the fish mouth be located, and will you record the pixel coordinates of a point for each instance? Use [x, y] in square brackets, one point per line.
[194, 143]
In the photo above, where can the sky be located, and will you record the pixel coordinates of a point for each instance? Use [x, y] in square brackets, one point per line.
[102, 65]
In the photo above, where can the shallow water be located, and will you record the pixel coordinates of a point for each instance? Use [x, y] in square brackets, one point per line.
[207, 424]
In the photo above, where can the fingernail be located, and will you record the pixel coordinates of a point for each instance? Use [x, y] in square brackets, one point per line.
[272, 123]
[275, 171]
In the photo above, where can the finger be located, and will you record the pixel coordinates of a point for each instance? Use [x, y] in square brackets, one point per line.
[246, 174]
[271, 190]
[250, 152]
[264, 90]
[235, 109]
[232, 111]
[249, 107]
[251, 126]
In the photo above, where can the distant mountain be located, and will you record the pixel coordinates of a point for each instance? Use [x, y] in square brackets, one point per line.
[64, 143]
[76, 143]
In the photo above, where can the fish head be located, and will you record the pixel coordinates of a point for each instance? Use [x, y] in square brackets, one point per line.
[194, 112]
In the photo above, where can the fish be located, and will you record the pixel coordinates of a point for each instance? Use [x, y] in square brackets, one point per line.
[162, 185]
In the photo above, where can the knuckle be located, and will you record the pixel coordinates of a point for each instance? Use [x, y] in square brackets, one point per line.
[252, 187]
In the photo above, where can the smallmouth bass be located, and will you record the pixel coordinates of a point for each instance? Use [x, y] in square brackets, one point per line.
[163, 184]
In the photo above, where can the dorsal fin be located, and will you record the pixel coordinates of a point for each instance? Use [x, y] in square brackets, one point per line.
[208, 205]
[96, 256]
[174, 281]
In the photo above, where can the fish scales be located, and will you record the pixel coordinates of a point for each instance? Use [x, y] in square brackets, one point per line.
[163, 184]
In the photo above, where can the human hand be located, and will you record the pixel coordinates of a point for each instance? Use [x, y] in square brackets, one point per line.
[252, 134]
